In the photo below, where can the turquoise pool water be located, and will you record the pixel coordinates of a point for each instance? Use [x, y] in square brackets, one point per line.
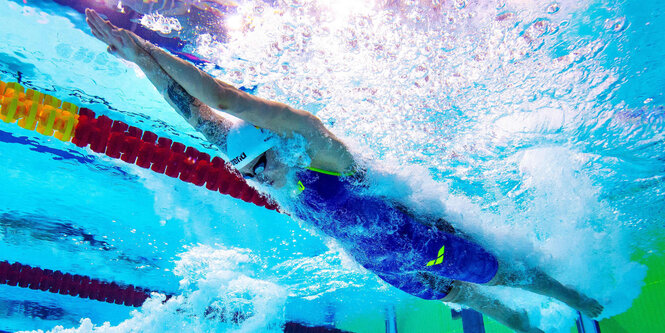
[535, 127]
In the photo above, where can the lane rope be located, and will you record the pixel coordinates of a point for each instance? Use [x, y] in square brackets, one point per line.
[57, 282]
[65, 121]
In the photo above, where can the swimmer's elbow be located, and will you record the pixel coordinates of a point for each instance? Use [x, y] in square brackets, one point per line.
[227, 99]
[275, 116]
[282, 119]
[304, 123]
[244, 105]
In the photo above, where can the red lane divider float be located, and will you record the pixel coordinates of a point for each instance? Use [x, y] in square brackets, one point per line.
[145, 149]
[57, 282]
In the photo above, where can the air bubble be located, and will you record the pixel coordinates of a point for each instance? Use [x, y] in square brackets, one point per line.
[160, 23]
[616, 25]
[505, 16]
[538, 28]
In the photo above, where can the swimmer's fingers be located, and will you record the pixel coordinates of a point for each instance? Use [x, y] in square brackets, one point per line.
[106, 31]
[97, 30]
[120, 41]
[94, 30]
[109, 25]
[104, 28]
[126, 39]
[112, 42]
[93, 20]
[96, 33]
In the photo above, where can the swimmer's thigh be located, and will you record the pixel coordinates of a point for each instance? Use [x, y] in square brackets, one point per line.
[422, 285]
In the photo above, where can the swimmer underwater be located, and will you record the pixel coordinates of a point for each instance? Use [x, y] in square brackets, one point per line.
[416, 258]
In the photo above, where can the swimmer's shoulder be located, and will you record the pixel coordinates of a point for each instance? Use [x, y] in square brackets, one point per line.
[333, 156]
[327, 151]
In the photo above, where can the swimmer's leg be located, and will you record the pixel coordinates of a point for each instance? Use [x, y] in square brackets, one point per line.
[468, 294]
[539, 282]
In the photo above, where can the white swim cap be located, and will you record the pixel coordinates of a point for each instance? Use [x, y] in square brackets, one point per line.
[246, 142]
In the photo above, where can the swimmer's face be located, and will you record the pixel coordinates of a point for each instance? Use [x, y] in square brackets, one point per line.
[266, 169]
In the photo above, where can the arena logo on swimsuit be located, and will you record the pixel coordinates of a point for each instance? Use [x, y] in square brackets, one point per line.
[439, 257]
[239, 159]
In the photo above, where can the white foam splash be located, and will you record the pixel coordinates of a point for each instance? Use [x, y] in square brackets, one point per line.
[160, 23]
[218, 296]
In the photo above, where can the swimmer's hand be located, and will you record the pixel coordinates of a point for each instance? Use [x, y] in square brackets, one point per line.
[120, 41]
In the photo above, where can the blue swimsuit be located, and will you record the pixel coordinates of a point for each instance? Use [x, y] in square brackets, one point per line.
[388, 241]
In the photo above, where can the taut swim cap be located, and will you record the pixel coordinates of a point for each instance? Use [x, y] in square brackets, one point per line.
[246, 142]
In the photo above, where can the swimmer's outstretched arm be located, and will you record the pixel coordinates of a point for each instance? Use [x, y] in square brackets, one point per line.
[212, 125]
[274, 116]
[325, 150]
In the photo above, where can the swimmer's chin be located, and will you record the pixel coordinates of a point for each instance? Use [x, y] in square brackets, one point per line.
[273, 183]
[276, 183]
